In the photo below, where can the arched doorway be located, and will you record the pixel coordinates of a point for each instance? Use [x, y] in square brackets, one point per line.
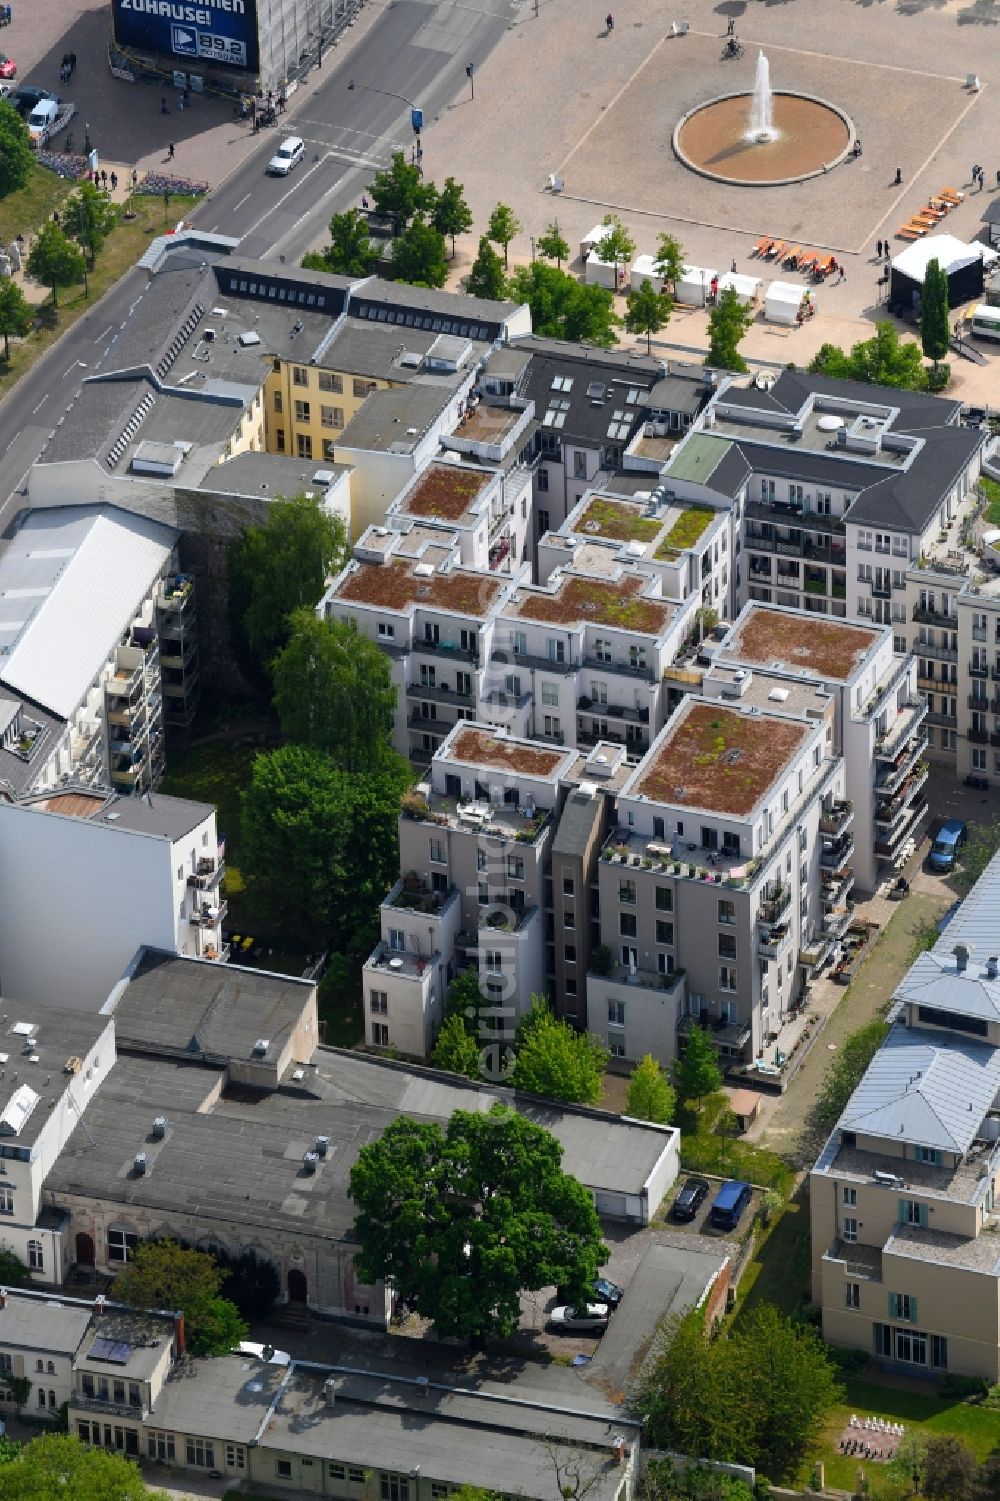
[85, 1249]
[296, 1286]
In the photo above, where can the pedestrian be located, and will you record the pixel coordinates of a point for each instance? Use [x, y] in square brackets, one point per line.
[842, 276]
[163, 105]
[731, 28]
[65, 60]
[104, 178]
[281, 102]
[899, 177]
[135, 179]
[170, 152]
[114, 182]
[364, 202]
[609, 22]
[733, 266]
[72, 63]
[878, 250]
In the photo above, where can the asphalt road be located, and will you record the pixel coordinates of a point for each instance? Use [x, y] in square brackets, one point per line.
[418, 49]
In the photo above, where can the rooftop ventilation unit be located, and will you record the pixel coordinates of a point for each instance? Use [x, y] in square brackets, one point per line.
[159, 1127]
[261, 1046]
[310, 1162]
[249, 338]
[140, 1162]
[208, 334]
[887, 1180]
[322, 1146]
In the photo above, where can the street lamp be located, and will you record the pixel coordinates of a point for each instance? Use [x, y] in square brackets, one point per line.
[416, 113]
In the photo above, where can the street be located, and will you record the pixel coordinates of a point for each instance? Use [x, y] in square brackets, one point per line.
[416, 50]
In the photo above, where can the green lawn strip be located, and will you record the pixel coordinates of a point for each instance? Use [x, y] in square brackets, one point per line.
[341, 1012]
[120, 253]
[991, 489]
[25, 210]
[779, 1269]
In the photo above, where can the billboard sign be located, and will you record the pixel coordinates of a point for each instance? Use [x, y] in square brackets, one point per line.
[207, 31]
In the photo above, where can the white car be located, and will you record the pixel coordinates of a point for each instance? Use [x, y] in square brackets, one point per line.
[594, 1320]
[289, 153]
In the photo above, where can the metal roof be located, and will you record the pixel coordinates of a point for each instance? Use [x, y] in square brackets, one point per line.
[70, 583]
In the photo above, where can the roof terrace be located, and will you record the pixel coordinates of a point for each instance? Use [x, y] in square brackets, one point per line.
[573, 600]
[805, 642]
[445, 492]
[398, 585]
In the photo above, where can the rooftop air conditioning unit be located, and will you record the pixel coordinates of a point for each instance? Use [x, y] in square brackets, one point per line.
[140, 1162]
[322, 1146]
[261, 1046]
[310, 1162]
[159, 1127]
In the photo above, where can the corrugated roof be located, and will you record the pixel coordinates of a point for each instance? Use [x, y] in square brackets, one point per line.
[70, 583]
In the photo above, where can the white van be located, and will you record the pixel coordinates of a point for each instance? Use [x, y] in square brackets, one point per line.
[288, 154]
[42, 118]
[985, 322]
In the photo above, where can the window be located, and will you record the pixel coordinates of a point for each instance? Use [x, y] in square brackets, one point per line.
[302, 411]
[850, 1196]
[550, 695]
[304, 445]
[850, 1228]
[727, 977]
[355, 1475]
[336, 1472]
[39, 1365]
[300, 376]
[6, 1363]
[332, 416]
[568, 886]
[626, 924]
[939, 1352]
[328, 382]
[569, 953]
[380, 1035]
[397, 940]
[6, 1199]
[912, 1213]
[201, 1453]
[579, 464]
[379, 1003]
[727, 945]
[283, 1467]
[386, 630]
[438, 855]
[664, 931]
[279, 439]
[278, 401]
[626, 892]
[616, 1013]
[664, 899]
[121, 1244]
[911, 1347]
[852, 1294]
[727, 913]
[515, 867]
[394, 1488]
[363, 387]
[36, 1257]
[236, 1457]
[903, 1306]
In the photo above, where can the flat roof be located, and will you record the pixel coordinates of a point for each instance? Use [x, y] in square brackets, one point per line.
[573, 599]
[485, 749]
[39, 1324]
[33, 1079]
[395, 585]
[716, 758]
[266, 476]
[133, 1342]
[445, 492]
[225, 1398]
[798, 640]
[397, 421]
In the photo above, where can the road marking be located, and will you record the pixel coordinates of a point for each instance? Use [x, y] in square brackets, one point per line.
[274, 207]
[101, 337]
[38, 408]
[236, 206]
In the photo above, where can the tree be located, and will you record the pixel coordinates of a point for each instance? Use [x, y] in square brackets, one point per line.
[984, 841]
[251, 1282]
[419, 255]
[451, 214]
[486, 278]
[16, 313]
[54, 1467]
[728, 321]
[333, 691]
[503, 226]
[563, 308]
[847, 1070]
[459, 1222]
[465, 999]
[646, 312]
[669, 260]
[696, 1069]
[792, 1385]
[552, 245]
[17, 159]
[13, 1272]
[935, 331]
[320, 846]
[651, 1096]
[883, 360]
[20, 1390]
[163, 1274]
[89, 217]
[949, 1470]
[690, 1398]
[615, 246]
[283, 566]
[349, 252]
[54, 260]
[456, 1050]
[554, 1060]
[401, 191]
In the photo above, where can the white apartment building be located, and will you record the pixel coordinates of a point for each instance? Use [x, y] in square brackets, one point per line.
[89, 879]
[485, 509]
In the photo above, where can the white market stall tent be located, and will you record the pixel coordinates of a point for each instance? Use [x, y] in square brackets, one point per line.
[644, 269]
[747, 288]
[695, 285]
[782, 302]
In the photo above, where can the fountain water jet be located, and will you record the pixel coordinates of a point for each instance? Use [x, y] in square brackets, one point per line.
[762, 104]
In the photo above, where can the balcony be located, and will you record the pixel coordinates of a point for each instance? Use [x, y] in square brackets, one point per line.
[627, 669]
[412, 893]
[836, 817]
[835, 889]
[909, 716]
[774, 901]
[888, 843]
[860, 1263]
[836, 853]
[208, 875]
[646, 979]
[931, 615]
[484, 819]
[218, 953]
[539, 664]
[439, 694]
[135, 1412]
[209, 917]
[433, 725]
[612, 711]
[979, 737]
[723, 1033]
[449, 649]
[978, 670]
[887, 809]
[125, 683]
[836, 922]
[889, 781]
[773, 940]
[939, 653]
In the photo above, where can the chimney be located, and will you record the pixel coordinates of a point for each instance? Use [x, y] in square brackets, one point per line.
[179, 1337]
[330, 1391]
[991, 966]
[961, 952]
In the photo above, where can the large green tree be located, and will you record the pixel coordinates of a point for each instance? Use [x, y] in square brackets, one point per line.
[728, 321]
[16, 313]
[690, 1397]
[282, 566]
[562, 307]
[349, 252]
[89, 217]
[696, 1069]
[948, 1470]
[456, 1049]
[935, 330]
[553, 1059]
[486, 277]
[669, 259]
[461, 1221]
[58, 1467]
[420, 255]
[504, 225]
[54, 260]
[320, 846]
[553, 245]
[616, 245]
[17, 159]
[163, 1274]
[883, 360]
[646, 312]
[333, 691]
[651, 1096]
[451, 215]
[401, 192]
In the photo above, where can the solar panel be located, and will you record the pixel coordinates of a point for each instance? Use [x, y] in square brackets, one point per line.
[116, 1351]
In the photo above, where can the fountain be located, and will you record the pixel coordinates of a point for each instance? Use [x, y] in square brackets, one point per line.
[762, 106]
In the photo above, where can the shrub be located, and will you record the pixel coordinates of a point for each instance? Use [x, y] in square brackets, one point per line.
[847, 1362]
[965, 1387]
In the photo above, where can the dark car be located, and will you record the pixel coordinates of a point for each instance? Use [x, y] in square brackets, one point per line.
[27, 97]
[729, 1204]
[603, 1291]
[690, 1199]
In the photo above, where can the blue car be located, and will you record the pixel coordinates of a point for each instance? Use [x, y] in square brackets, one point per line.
[948, 840]
[729, 1204]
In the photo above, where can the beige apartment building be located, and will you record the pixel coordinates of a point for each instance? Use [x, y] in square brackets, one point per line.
[906, 1256]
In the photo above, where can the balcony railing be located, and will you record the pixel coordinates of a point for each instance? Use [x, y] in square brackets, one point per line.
[773, 940]
[628, 669]
[931, 615]
[908, 716]
[449, 649]
[836, 818]
[773, 904]
[836, 853]
[532, 663]
[893, 778]
[137, 1412]
[612, 711]
[439, 694]
[210, 918]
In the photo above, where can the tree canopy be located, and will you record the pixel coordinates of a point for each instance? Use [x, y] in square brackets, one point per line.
[616, 245]
[651, 1096]
[461, 1221]
[562, 307]
[669, 259]
[89, 217]
[647, 311]
[16, 313]
[17, 159]
[504, 225]
[282, 566]
[400, 191]
[451, 214]
[320, 845]
[553, 1059]
[57, 1467]
[163, 1274]
[349, 252]
[728, 321]
[333, 691]
[696, 1068]
[553, 245]
[420, 255]
[883, 360]
[486, 277]
[54, 260]
[456, 1050]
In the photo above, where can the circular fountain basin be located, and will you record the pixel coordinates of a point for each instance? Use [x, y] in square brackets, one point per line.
[811, 136]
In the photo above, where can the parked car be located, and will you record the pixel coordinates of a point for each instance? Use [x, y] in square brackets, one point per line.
[603, 1290]
[288, 154]
[26, 97]
[729, 1204]
[8, 67]
[949, 839]
[42, 118]
[591, 1320]
[690, 1199]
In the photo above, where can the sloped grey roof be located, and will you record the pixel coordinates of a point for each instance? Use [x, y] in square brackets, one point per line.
[920, 1090]
[933, 980]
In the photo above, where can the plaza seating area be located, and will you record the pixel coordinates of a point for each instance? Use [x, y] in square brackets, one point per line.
[793, 258]
[930, 215]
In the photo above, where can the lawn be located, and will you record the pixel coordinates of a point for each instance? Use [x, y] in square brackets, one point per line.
[779, 1270]
[991, 489]
[26, 209]
[120, 253]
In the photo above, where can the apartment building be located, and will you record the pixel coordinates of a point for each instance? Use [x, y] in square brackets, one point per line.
[87, 591]
[906, 1264]
[118, 873]
[484, 509]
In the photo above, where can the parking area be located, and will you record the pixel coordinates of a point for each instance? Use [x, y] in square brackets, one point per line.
[701, 1225]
